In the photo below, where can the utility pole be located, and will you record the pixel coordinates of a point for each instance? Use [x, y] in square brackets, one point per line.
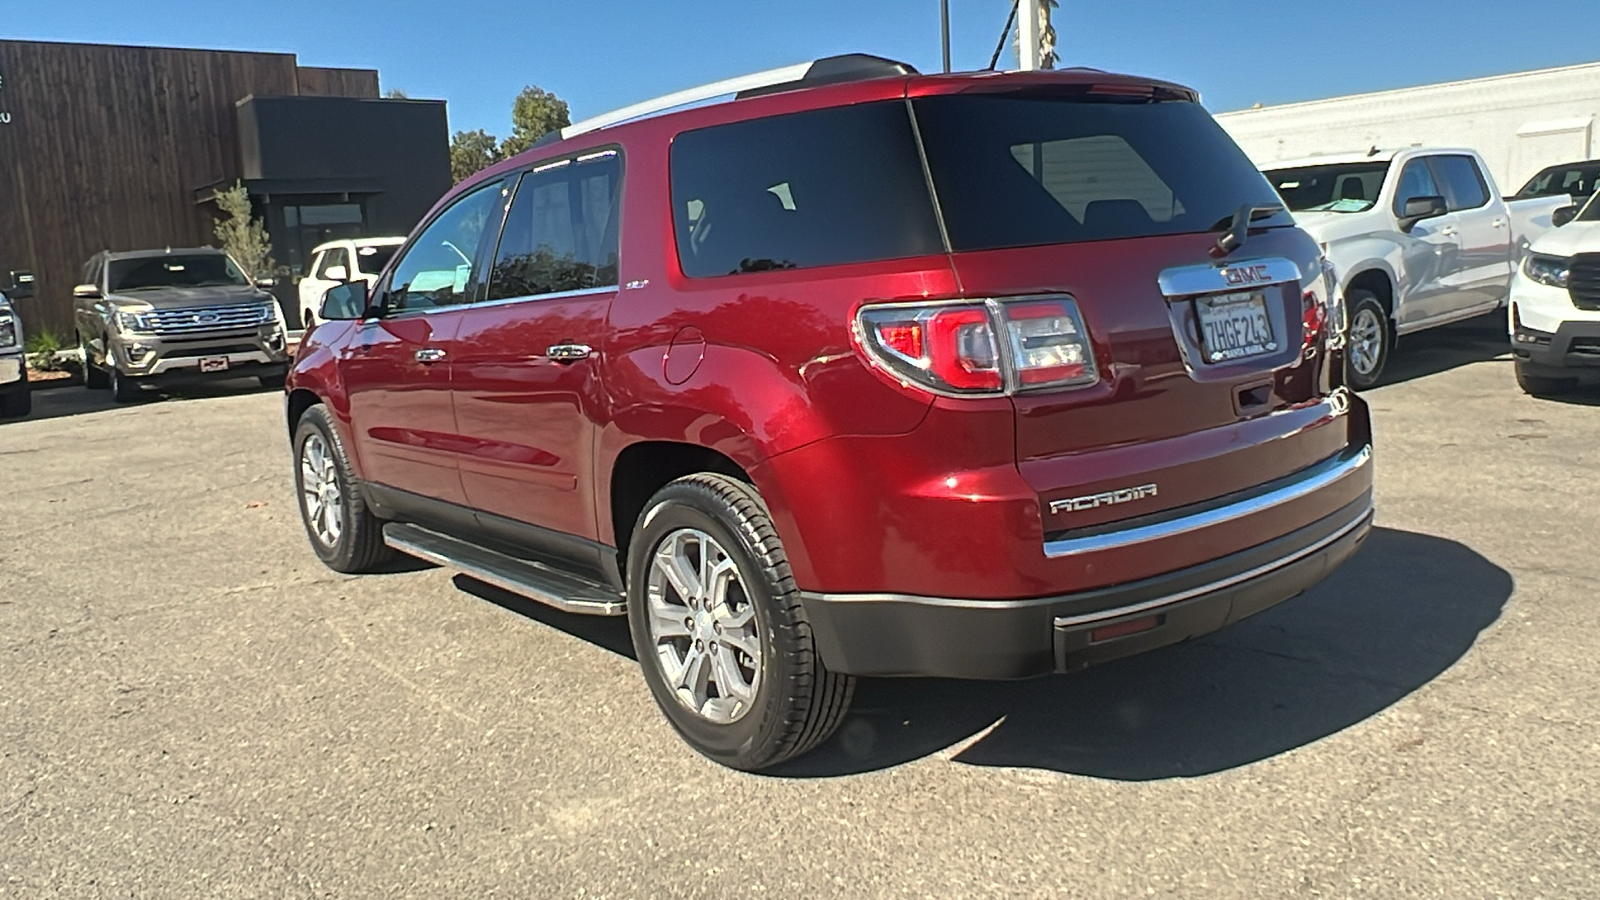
[1028, 35]
[944, 32]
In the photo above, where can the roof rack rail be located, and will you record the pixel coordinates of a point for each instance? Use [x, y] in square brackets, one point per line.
[828, 70]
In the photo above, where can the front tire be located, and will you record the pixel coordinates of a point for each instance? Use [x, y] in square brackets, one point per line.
[94, 377]
[720, 631]
[345, 534]
[1368, 341]
[123, 388]
[1541, 385]
[17, 404]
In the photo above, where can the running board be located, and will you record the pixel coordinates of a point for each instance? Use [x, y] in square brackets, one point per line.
[566, 592]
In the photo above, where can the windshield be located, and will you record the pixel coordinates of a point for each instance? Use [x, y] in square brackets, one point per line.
[190, 270]
[371, 260]
[1012, 171]
[1578, 181]
[1347, 187]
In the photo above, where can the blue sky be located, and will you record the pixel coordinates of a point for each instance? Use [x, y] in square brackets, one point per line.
[477, 54]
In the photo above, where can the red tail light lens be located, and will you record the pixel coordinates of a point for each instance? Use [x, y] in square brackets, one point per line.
[956, 347]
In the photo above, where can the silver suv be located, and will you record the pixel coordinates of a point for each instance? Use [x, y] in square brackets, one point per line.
[158, 317]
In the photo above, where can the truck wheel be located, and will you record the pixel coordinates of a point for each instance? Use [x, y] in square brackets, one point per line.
[123, 388]
[94, 377]
[345, 534]
[1368, 341]
[719, 629]
[17, 404]
[1541, 385]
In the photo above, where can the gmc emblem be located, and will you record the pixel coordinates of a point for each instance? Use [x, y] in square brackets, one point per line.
[1246, 275]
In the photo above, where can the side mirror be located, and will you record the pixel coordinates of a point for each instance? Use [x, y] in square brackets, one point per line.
[336, 273]
[21, 286]
[87, 292]
[1563, 215]
[344, 301]
[1417, 209]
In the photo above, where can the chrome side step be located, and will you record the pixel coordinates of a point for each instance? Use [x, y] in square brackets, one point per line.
[568, 593]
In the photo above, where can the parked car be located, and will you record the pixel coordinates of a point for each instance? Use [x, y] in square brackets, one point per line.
[357, 259]
[16, 399]
[806, 424]
[1555, 307]
[1576, 180]
[153, 317]
[1419, 237]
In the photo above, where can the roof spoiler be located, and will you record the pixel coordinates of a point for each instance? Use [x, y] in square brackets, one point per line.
[828, 70]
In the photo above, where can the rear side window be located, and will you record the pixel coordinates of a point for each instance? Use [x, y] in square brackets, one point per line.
[1462, 183]
[561, 232]
[824, 187]
[1020, 171]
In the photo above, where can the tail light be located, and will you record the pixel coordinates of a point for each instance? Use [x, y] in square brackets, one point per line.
[982, 347]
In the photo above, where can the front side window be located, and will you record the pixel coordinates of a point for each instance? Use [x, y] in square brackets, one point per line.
[335, 257]
[1416, 180]
[1462, 183]
[437, 269]
[561, 232]
[817, 188]
[185, 270]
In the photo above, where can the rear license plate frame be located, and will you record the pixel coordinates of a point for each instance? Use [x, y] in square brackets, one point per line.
[1206, 312]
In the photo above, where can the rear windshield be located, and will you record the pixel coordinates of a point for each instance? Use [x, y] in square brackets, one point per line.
[197, 270]
[371, 260]
[1335, 187]
[1014, 171]
[817, 188]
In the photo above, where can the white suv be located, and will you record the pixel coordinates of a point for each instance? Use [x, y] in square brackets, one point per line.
[1555, 306]
[336, 262]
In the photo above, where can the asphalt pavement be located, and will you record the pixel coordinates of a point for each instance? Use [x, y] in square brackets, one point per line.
[192, 706]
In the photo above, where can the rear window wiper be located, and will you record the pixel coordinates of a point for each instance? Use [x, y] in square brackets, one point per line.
[1238, 228]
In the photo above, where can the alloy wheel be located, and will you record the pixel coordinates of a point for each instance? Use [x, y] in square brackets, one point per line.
[1365, 342]
[319, 486]
[703, 626]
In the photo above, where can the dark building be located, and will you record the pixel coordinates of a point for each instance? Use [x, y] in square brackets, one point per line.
[124, 148]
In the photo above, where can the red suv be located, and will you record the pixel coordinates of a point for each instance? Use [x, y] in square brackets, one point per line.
[861, 373]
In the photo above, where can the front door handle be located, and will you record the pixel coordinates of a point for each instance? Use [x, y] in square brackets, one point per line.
[1498, 223]
[569, 352]
[430, 355]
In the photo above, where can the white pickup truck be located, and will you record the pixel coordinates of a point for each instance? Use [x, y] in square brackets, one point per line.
[1419, 237]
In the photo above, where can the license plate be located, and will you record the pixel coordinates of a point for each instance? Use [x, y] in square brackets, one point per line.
[1234, 326]
[213, 364]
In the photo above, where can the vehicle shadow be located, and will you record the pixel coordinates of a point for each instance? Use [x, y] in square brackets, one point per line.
[1399, 614]
[1451, 346]
[63, 402]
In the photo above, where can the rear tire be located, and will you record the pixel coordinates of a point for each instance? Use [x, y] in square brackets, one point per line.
[1369, 340]
[94, 377]
[731, 593]
[123, 388]
[345, 534]
[1542, 385]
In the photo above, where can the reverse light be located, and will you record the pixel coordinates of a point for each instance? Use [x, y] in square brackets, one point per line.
[984, 347]
[1553, 271]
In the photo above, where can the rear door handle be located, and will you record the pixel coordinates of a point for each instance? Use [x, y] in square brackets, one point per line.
[430, 355]
[1499, 223]
[1448, 231]
[569, 352]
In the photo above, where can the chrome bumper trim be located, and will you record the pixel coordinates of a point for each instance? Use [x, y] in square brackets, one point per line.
[10, 369]
[1314, 479]
[193, 362]
[1361, 519]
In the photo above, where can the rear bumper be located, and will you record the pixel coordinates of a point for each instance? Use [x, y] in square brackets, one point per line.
[899, 635]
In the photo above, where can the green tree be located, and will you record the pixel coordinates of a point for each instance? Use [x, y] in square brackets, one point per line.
[534, 114]
[241, 235]
[472, 152]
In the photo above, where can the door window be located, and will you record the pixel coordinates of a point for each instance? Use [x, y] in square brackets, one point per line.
[316, 263]
[561, 230]
[1415, 181]
[438, 268]
[1462, 182]
[335, 257]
